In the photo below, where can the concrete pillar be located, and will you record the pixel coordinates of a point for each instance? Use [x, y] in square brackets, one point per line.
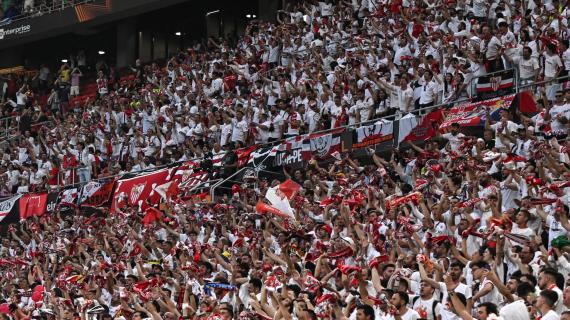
[145, 45]
[126, 43]
[159, 46]
[213, 22]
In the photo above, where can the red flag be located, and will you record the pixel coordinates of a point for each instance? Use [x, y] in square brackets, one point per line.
[139, 191]
[33, 205]
[527, 103]
[289, 188]
[243, 155]
[95, 194]
[424, 128]
[151, 216]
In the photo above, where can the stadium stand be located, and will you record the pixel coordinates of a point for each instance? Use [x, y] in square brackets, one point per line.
[360, 159]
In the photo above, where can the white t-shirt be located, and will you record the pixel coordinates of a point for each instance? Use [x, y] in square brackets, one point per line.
[551, 315]
[555, 228]
[551, 63]
[480, 8]
[492, 48]
[239, 130]
[426, 307]
[498, 127]
[461, 288]
[455, 141]
[516, 310]
[410, 314]
[509, 195]
[559, 110]
[493, 296]
[525, 231]
[527, 68]
[226, 133]
[428, 92]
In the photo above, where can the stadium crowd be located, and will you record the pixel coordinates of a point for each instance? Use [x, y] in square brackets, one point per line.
[457, 228]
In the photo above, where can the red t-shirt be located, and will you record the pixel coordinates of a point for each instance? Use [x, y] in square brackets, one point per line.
[54, 172]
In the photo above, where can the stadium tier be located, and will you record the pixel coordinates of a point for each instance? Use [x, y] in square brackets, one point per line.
[293, 160]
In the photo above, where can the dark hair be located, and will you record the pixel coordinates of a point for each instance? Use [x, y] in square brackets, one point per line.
[551, 273]
[388, 265]
[256, 282]
[490, 307]
[457, 264]
[459, 296]
[550, 296]
[524, 289]
[368, 310]
[526, 214]
[311, 314]
[404, 296]
[295, 288]
[530, 278]
[480, 264]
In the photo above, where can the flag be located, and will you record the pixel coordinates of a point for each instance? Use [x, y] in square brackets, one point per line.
[495, 85]
[189, 180]
[376, 133]
[243, 155]
[138, 190]
[69, 197]
[526, 102]
[321, 145]
[419, 128]
[151, 216]
[33, 205]
[279, 201]
[289, 188]
[295, 142]
[406, 124]
[261, 156]
[96, 194]
[217, 159]
[291, 158]
[10, 210]
[168, 190]
[473, 114]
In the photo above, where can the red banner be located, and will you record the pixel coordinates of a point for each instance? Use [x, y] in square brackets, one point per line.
[243, 155]
[139, 191]
[413, 128]
[96, 194]
[473, 114]
[33, 205]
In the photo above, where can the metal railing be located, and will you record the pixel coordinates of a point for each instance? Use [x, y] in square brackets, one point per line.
[543, 82]
[5, 125]
[473, 84]
[41, 9]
